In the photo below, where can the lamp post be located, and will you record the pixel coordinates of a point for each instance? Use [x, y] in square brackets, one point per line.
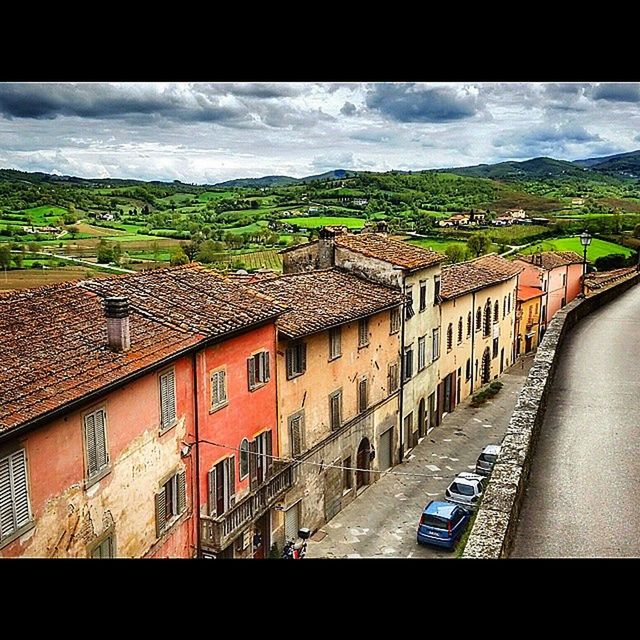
[585, 240]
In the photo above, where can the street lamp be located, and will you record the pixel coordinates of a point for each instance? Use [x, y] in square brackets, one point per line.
[585, 241]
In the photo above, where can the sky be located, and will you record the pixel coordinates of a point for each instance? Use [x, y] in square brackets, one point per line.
[211, 132]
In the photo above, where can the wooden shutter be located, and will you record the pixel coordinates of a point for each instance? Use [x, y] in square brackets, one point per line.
[222, 386]
[267, 371]
[269, 452]
[102, 457]
[289, 358]
[253, 466]
[362, 395]
[182, 491]
[303, 357]
[7, 523]
[20, 488]
[212, 492]
[231, 488]
[90, 440]
[161, 512]
[251, 372]
[167, 399]
[294, 435]
[215, 399]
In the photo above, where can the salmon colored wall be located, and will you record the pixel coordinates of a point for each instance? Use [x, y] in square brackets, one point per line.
[574, 286]
[247, 413]
[68, 517]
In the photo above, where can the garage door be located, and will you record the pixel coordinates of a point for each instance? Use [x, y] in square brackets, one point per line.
[386, 456]
[292, 522]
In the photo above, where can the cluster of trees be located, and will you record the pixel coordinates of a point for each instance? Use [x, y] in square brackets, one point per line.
[111, 253]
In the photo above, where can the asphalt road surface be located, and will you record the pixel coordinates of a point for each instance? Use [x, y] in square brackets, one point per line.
[583, 494]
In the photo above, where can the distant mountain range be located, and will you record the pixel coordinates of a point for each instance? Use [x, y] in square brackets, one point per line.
[281, 181]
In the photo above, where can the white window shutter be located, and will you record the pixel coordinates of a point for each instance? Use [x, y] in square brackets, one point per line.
[102, 457]
[20, 488]
[90, 440]
[182, 492]
[161, 512]
[7, 522]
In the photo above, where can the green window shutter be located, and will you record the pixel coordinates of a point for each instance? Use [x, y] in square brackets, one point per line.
[269, 452]
[102, 457]
[251, 372]
[161, 512]
[182, 491]
[232, 480]
[20, 488]
[7, 521]
[267, 371]
[90, 440]
[212, 492]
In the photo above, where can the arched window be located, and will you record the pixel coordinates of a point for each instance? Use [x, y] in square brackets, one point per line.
[478, 319]
[460, 329]
[244, 459]
[496, 312]
[450, 336]
[469, 317]
[486, 329]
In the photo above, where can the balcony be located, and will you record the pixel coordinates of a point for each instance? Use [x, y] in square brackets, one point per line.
[216, 533]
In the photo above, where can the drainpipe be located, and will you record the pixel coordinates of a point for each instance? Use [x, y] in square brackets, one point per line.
[473, 335]
[401, 396]
[566, 282]
[197, 452]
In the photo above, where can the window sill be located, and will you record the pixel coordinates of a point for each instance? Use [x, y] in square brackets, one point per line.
[346, 492]
[162, 430]
[332, 359]
[363, 346]
[89, 482]
[20, 532]
[170, 524]
[295, 375]
[258, 386]
[218, 407]
[393, 333]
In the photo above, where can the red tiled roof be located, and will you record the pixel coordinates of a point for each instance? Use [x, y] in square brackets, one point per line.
[527, 293]
[396, 252]
[600, 279]
[321, 299]
[465, 277]
[54, 339]
[549, 260]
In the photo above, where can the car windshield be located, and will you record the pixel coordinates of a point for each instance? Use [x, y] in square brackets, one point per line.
[488, 457]
[437, 522]
[462, 489]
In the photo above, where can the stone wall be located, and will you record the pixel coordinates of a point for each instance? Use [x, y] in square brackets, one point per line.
[495, 526]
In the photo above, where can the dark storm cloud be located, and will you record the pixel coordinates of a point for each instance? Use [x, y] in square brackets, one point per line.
[617, 92]
[410, 103]
[348, 109]
[566, 96]
[265, 90]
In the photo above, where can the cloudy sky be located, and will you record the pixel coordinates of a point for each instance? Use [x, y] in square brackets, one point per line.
[206, 133]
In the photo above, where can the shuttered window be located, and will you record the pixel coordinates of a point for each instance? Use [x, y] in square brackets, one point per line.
[392, 377]
[435, 346]
[296, 433]
[15, 510]
[363, 393]
[460, 329]
[218, 389]
[450, 337]
[394, 320]
[335, 409]
[244, 459]
[95, 436]
[469, 324]
[168, 414]
[423, 295]
[422, 353]
[296, 357]
[408, 363]
[408, 305]
[171, 502]
[436, 289]
[106, 549]
[258, 370]
[363, 332]
[335, 343]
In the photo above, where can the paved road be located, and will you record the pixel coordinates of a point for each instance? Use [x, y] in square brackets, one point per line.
[79, 261]
[582, 499]
[382, 521]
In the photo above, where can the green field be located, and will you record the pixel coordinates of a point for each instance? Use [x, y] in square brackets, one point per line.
[437, 244]
[214, 195]
[597, 248]
[38, 214]
[250, 228]
[321, 221]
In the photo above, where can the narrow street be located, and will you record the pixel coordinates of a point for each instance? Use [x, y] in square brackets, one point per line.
[382, 522]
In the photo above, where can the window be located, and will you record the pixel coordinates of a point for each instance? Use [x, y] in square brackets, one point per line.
[544, 285]
[468, 370]
[222, 486]
[495, 348]
[509, 303]
[564, 301]
[218, 389]
[436, 289]
[394, 319]
[422, 353]
[408, 427]
[244, 459]
[435, 347]
[450, 337]
[408, 363]
[335, 343]
[486, 328]
[363, 332]
[530, 314]
[347, 475]
[171, 502]
[335, 409]
[168, 417]
[392, 377]
[496, 312]
[408, 305]
[296, 433]
[296, 357]
[478, 319]
[106, 549]
[258, 370]
[460, 329]
[15, 510]
[260, 459]
[95, 439]
[469, 318]
[423, 295]
[504, 307]
[363, 400]
[564, 279]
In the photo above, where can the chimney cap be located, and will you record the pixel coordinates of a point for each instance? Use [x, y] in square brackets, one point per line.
[116, 307]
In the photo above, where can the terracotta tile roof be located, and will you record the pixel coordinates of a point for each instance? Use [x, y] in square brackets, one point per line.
[527, 293]
[325, 298]
[465, 277]
[601, 279]
[54, 346]
[397, 252]
[549, 260]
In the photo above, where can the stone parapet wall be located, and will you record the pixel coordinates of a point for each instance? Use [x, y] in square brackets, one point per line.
[495, 525]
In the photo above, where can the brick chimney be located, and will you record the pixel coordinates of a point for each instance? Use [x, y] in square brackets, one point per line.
[116, 310]
[326, 247]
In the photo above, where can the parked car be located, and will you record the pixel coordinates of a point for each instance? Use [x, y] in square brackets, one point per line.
[442, 524]
[486, 460]
[466, 489]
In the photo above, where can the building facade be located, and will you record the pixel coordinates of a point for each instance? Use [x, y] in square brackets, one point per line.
[528, 311]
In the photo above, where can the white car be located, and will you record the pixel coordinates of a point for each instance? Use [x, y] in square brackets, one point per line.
[466, 489]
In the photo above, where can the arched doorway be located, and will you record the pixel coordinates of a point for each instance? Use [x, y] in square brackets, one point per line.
[422, 422]
[362, 463]
[486, 366]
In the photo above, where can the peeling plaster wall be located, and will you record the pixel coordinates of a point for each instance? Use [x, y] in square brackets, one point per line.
[300, 259]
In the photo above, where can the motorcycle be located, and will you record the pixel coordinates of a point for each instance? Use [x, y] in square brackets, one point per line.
[296, 550]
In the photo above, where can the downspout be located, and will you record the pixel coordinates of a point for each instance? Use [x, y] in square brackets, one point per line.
[401, 396]
[473, 336]
[566, 282]
[197, 452]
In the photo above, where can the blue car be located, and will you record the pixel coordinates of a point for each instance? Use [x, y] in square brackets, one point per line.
[442, 523]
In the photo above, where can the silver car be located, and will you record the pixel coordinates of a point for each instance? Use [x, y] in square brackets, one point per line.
[487, 459]
[466, 489]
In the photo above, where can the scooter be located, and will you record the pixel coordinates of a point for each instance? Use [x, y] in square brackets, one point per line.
[298, 549]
